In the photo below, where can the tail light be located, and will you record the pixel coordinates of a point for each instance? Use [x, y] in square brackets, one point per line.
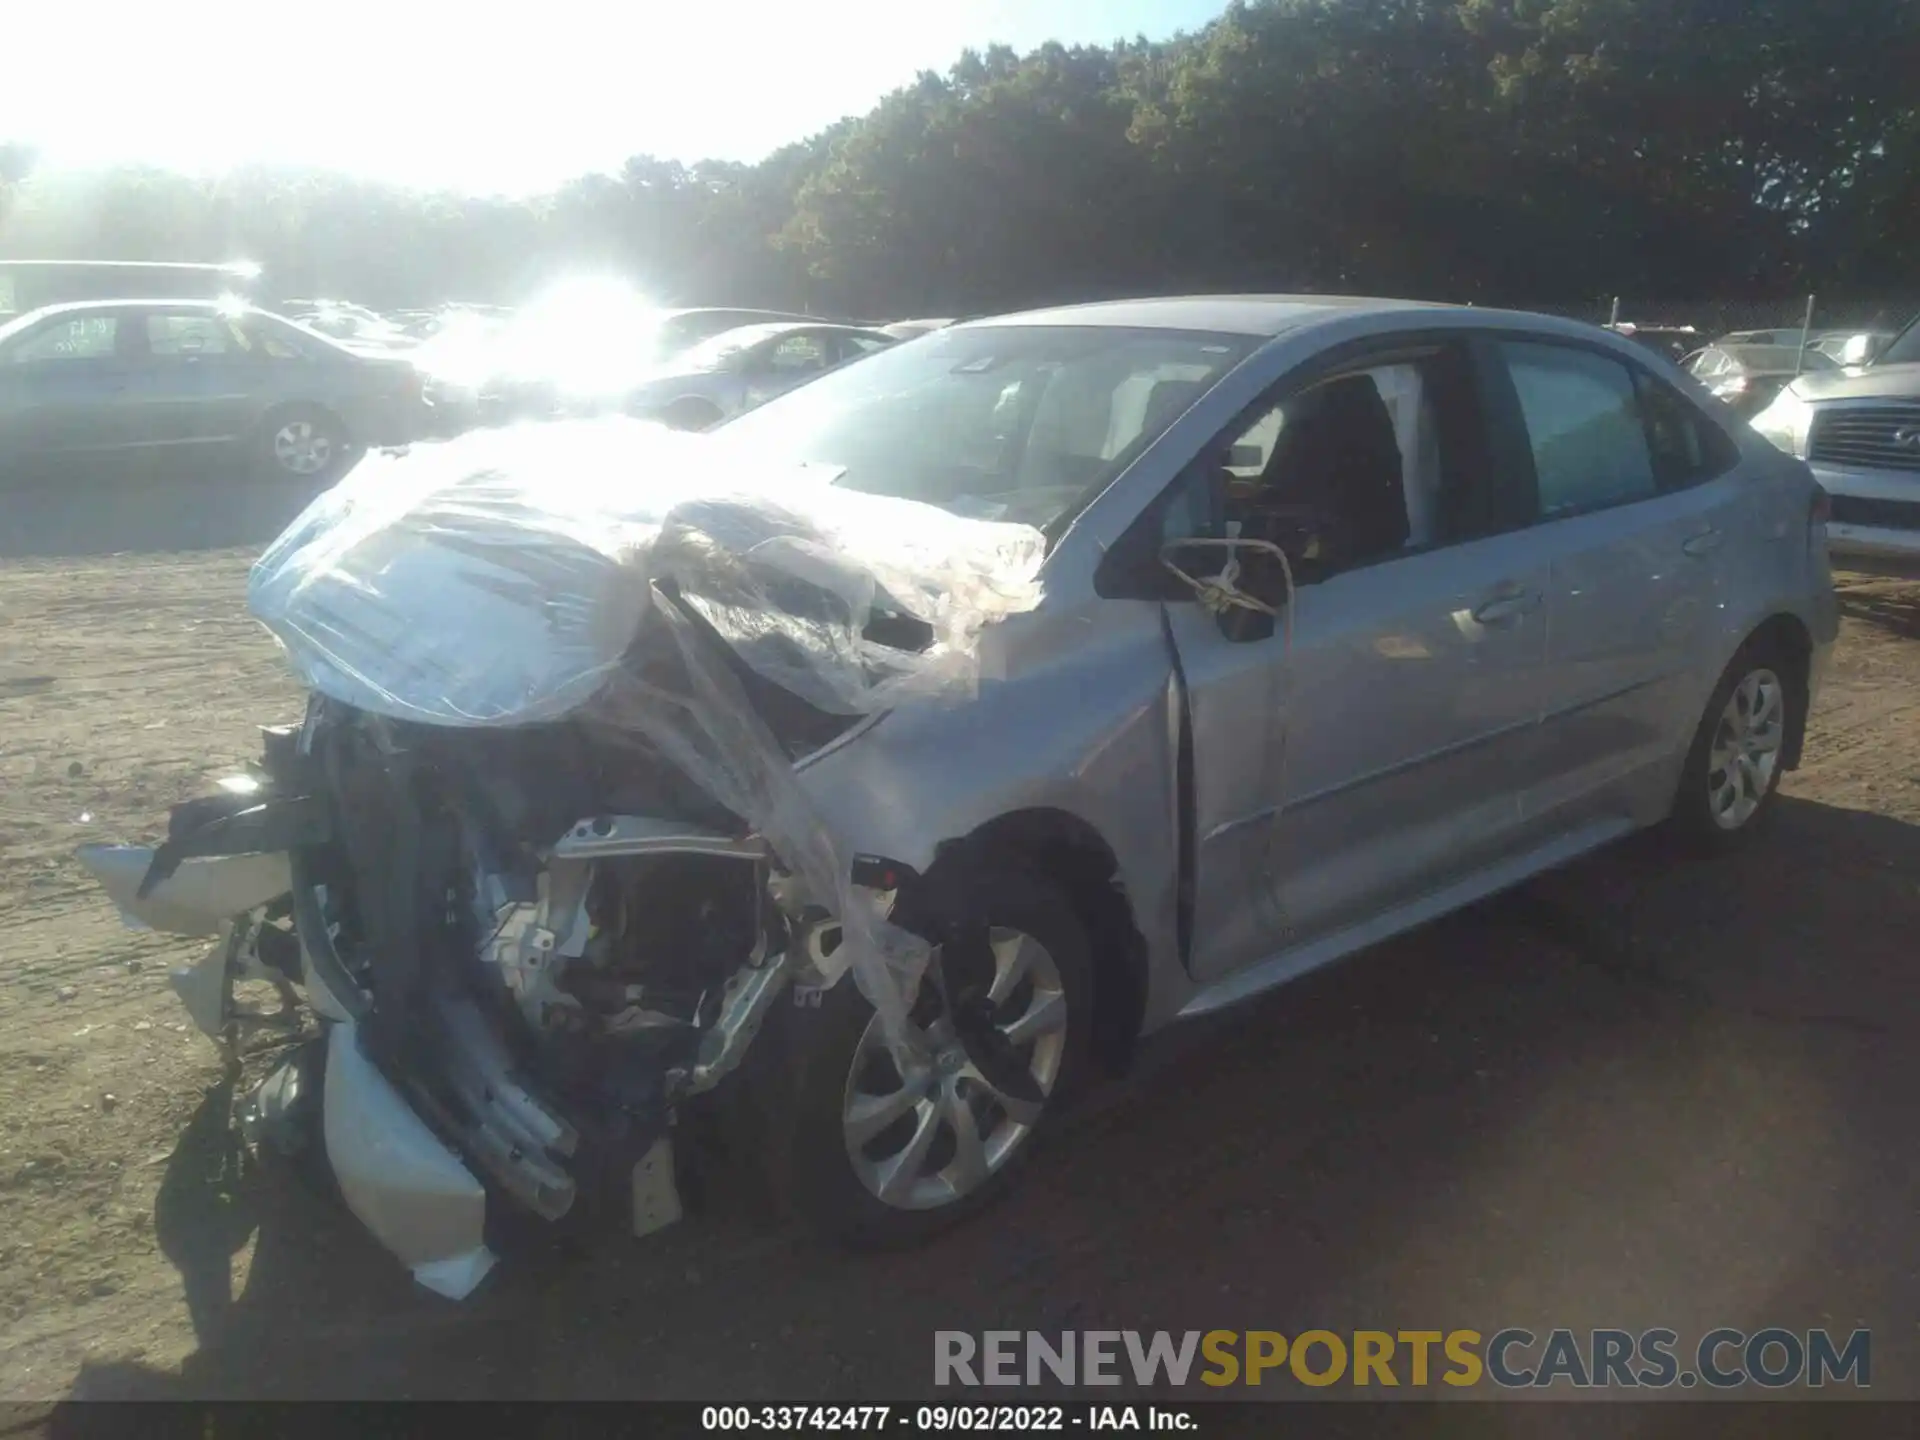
[1820, 508]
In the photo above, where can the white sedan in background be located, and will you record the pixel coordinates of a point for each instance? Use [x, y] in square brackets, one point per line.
[741, 368]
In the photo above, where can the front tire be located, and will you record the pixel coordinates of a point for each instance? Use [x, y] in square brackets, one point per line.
[690, 415]
[305, 443]
[877, 1159]
[1734, 768]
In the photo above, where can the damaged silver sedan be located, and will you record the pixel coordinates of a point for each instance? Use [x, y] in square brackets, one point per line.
[900, 752]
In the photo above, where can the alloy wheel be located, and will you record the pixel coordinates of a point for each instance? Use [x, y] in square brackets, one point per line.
[302, 448]
[934, 1135]
[1745, 752]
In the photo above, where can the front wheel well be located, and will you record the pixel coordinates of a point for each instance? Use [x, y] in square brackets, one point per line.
[1787, 635]
[1071, 854]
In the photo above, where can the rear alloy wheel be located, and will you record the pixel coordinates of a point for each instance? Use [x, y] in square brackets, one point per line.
[882, 1151]
[1744, 758]
[1738, 757]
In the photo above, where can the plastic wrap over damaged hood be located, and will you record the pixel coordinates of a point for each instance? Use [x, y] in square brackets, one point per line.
[509, 578]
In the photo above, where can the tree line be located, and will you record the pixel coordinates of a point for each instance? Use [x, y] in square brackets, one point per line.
[1495, 151]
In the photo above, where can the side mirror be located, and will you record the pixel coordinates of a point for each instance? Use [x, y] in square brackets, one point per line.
[1246, 584]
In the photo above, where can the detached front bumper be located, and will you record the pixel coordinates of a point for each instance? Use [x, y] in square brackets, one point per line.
[431, 1126]
[398, 1178]
[412, 1191]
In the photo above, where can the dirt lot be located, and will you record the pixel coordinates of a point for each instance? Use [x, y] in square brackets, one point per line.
[1634, 1094]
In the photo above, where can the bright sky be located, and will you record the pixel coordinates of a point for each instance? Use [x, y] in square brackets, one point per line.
[506, 97]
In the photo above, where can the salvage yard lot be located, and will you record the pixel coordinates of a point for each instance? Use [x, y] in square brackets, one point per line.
[1637, 1093]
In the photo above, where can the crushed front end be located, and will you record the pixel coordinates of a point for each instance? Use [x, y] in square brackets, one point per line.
[524, 955]
[538, 855]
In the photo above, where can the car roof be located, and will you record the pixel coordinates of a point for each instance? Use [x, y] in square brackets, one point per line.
[1264, 315]
[83, 307]
[687, 310]
[754, 334]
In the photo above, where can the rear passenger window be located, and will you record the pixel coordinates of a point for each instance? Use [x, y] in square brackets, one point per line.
[171, 336]
[1590, 448]
[1687, 447]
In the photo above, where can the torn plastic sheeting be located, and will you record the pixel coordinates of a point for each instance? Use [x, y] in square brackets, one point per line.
[499, 579]
[719, 740]
[504, 578]
[487, 581]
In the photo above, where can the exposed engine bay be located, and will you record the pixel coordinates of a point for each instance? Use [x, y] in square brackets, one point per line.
[570, 988]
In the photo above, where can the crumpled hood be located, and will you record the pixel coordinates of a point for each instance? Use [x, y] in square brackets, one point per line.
[501, 579]
[1891, 382]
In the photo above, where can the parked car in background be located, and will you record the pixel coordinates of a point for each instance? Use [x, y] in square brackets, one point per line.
[128, 376]
[912, 329]
[744, 367]
[1748, 377]
[1852, 347]
[581, 348]
[27, 285]
[343, 320]
[1674, 341]
[1860, 430]
[681, 330]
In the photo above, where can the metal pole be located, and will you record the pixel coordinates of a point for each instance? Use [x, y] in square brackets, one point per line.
[1806, 325]
[1613, 316]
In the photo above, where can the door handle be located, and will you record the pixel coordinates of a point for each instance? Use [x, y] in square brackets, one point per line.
[1507, 605]
[1705, 543]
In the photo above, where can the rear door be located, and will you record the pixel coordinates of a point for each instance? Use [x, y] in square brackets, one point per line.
[1637, 510]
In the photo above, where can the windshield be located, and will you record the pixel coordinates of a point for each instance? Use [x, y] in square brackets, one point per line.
[1905, 349]
[1003, 422]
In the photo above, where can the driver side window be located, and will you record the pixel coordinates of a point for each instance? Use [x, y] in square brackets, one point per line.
[1341, 473]
[1352, 468]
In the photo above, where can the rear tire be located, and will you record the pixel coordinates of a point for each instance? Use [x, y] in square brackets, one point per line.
[844, 1082]
[1734, 767]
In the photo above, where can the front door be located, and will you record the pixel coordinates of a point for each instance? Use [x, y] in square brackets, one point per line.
[66, 385]
[1378, 744]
